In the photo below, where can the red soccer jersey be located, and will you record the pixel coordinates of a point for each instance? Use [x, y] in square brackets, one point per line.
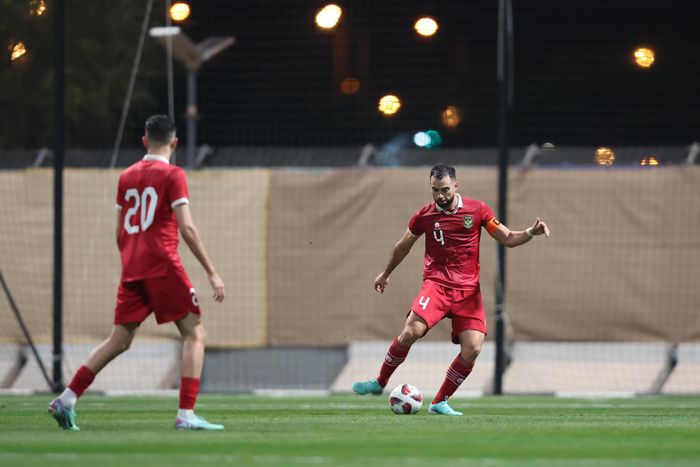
[147, 193]
[452, 241]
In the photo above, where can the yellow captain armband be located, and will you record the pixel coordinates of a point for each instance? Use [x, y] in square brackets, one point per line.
[492, 225]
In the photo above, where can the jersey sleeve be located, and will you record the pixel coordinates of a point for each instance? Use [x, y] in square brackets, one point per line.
[414, 225]
[177, 193]
[486, 214]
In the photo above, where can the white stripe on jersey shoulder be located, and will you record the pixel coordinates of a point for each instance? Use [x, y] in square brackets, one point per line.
[152, 157]
[178, 202]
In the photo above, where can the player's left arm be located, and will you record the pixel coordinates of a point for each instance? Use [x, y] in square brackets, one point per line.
[513, 238]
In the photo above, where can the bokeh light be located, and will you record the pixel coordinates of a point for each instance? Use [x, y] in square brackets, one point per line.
[350, 85]
[451, 117]
[179, 11]
[644, 57]
[604, 156]
[328, 16]
[427, 139]
[18, 51]
[37, 7]
[426, 26]
[649, 161]
[389, 104]
[421, 139]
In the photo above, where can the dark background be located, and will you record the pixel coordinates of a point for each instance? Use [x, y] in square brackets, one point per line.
[575, 80]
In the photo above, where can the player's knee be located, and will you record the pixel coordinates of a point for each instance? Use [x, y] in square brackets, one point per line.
[470, 351]
[125, 346]
[199, 335]
[410, 334]
[120, 345]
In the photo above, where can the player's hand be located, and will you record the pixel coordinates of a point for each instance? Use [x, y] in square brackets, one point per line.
[540, 228]
[380, 283]
[218, 286]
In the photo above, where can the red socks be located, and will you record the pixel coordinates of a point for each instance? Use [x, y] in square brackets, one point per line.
[81, 380]
[189, 389]
[394, 357]
[456, 374]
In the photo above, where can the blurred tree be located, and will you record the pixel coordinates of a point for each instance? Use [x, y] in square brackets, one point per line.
[101, 39]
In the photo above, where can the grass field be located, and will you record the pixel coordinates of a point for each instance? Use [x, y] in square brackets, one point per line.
[345, 430]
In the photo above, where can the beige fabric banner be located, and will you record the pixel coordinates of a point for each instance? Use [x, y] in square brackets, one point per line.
[228, 208]
[26, 252]
[623, 262]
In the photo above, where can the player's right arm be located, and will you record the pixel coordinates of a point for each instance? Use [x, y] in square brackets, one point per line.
[400, 251]
[118, 232]
[191, 236]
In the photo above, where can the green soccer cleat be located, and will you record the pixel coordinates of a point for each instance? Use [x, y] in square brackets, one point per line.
[63, 415]
[368, 387]
[443, 408]
[196, 423]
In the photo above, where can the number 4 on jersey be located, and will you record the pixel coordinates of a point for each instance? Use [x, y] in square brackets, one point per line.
[146, 203]
[439, 237]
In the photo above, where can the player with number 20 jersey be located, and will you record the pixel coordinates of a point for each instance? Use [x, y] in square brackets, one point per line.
[152, 208]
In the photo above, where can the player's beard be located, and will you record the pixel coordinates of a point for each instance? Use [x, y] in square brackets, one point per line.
[445, 204]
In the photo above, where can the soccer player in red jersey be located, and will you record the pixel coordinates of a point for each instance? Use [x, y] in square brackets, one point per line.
[452, 227]
[152, 203]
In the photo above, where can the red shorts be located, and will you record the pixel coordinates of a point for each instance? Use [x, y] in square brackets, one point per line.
[170, 298]
[435, 302]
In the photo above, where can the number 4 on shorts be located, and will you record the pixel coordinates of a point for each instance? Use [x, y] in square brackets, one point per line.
[423, 301]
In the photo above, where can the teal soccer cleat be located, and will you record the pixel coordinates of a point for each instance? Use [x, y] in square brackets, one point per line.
[63, 415]
[196, 423]
[443, 408]
[367, 387]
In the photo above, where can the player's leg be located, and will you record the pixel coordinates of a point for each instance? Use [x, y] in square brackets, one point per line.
[429, 307]
[414, 328]
[63, 407]
[470, 342]
[468, 330]
[194, 339]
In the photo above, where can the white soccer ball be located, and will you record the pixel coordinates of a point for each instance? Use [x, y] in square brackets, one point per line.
[405, 399]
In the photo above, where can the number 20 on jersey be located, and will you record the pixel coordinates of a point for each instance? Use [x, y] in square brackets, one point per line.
[144, 209]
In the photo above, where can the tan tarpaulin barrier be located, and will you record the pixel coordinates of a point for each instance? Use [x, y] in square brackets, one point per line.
[623, 262]
[228, 208]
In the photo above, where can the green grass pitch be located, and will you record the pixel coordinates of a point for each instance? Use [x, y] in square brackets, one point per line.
[354, 431]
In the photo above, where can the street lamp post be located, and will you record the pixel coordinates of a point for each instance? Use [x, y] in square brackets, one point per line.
[192, 56]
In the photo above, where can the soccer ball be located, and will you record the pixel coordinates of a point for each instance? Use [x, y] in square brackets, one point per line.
[405, 399]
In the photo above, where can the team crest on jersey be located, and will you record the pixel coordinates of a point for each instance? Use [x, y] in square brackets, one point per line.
[468, 222]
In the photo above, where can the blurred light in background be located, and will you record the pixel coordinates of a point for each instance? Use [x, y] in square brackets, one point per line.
[421, 139]
[37, 7]
[426, 26]
[18, 51]
[389, 104]
[179, 11]
[604, 156]
[427, 139]
[644, 57]
[451, 117]
[649, 161]
[328, 16]
[350, 85]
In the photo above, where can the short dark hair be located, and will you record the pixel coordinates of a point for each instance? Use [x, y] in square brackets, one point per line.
[160, 129]
[441, 171]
